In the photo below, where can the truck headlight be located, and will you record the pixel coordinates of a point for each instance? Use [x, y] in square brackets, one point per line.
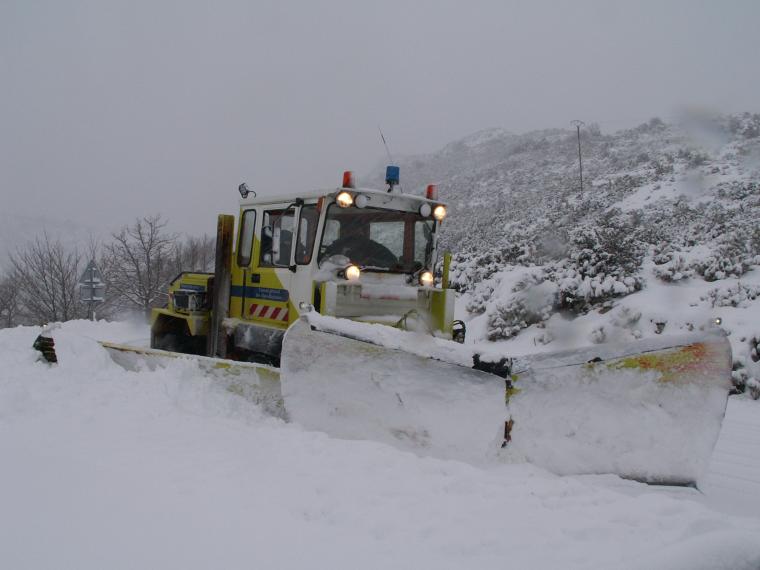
[352, 272]
[344, 199]
[426, 279]
[439, 212]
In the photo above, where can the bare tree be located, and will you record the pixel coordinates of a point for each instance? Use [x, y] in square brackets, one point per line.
[139, 263]
[46, 276]
[195, 254]
[9, 301]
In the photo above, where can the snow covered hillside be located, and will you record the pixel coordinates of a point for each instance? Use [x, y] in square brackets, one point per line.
[104, 468]
[664, 235]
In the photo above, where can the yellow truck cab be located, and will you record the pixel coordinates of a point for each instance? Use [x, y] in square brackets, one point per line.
[353, 253]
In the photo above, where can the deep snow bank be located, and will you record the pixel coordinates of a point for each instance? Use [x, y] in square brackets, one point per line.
[107, 468]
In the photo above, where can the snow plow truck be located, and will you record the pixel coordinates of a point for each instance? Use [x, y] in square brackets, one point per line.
[332, 309]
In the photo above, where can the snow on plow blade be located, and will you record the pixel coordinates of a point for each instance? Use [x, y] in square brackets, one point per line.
[258, 383]
[354, 381]
[647, 410]
[652, 415]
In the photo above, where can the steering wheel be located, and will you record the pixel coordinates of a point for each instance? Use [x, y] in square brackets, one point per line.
[363, 251]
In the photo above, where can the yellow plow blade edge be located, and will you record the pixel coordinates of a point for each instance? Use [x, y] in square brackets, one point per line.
[258, 383]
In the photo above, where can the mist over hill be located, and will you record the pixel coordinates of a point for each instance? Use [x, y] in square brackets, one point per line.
[17, 230]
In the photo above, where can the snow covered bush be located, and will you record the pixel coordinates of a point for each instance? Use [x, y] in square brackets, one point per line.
[745, 373]
[721, 264]
[736, 251]
[532, 301]
[672, 266]
[739, 295]
[480, 297]
[578, 292]
[604, 264]
[598, 335]
[627, 318]
[753, 386]
[468, 268]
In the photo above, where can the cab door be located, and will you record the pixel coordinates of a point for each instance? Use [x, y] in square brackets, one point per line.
[267, 299]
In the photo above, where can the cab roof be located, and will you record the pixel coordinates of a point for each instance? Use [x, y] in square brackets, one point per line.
[289, 197]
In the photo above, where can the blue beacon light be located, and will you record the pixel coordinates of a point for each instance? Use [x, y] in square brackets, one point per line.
[392, 177]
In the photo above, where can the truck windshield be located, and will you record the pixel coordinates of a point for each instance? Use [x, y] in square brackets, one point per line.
[379, 240]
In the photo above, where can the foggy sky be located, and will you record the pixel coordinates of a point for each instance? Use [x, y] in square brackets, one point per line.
[113, 110]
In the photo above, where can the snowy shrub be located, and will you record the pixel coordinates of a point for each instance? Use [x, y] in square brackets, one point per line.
[625, 317]
[721, 264]
[736, 252]
[753, 386]
[663, 168]
[545, 337]
[744, 382]
[598, 335]
[692, 157]
[739, 377]
[739, 295]
[552, 245]
[533, 301]
[579, 293]
[469, 269]
[604, 265]
[509, 318]
[672, 266]
[746, 124]
[745, 372]
[659, 323]
[479, 298]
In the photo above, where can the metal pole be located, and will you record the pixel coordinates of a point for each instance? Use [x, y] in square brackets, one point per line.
[90, 312]
[578, 125]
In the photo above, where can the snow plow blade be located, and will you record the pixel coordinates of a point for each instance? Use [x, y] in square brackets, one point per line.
[355, 381]
[648, 410]
[258, 383]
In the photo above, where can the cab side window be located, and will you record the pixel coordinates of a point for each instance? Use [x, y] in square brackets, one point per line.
[277, 237]
[245, 238]
[307, 231]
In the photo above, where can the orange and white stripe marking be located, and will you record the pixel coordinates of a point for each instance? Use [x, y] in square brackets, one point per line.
[268, 312]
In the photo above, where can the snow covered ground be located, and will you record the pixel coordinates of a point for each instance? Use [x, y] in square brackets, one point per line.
[733, 481]
[104, 468]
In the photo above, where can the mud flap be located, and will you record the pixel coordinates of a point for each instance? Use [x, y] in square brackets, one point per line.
[652, 416]
[258, 383]
[356, 389]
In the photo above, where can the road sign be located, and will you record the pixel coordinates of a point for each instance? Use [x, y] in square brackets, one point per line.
[92, 289]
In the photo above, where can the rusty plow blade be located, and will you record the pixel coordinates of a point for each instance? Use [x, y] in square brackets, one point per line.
[648, 410]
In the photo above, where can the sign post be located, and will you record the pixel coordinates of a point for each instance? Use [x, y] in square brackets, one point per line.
[91, 288]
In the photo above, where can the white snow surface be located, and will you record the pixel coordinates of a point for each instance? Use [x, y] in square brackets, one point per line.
[104, 468]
